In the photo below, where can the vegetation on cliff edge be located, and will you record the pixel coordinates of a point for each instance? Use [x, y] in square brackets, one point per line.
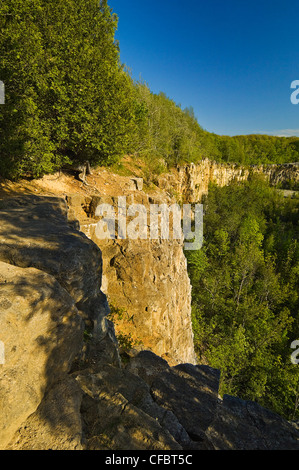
[69, 99]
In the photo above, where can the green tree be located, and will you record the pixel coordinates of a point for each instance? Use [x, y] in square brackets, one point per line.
[68, 98]
[245, 293]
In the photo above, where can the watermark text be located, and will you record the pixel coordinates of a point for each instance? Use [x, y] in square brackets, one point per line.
[295, 94]
[295, 354]
[2, 93]
[159, 221]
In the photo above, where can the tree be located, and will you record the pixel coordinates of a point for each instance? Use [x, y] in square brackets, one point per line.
[245, 293]
[68, 97]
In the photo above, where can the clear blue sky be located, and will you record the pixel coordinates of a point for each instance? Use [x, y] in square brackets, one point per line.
[233, 61]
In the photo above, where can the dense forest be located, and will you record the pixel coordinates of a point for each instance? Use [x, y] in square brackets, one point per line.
[245, 293]
[69, 99]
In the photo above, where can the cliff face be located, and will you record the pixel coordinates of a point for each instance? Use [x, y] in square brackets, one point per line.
[63, 384]
[191, 182]
[146, 282]
[281, 174]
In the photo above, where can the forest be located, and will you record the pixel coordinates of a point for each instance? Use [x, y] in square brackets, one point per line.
[68, 99]
[245, 299]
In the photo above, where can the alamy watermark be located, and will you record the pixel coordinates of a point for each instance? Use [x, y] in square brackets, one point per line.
[138, 222]
[294, 358]
[2, 93]
[295, 94]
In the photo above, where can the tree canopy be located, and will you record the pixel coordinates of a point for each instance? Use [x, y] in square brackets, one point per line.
[245, 293]
[69, 99]
[67, 96]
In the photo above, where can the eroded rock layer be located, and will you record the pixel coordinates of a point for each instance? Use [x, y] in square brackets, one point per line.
[146, 282]
[64, 384]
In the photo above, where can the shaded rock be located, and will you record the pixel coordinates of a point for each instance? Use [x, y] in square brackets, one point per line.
[34, 232]
[191, 393]
[56, 424]
[245, 425]
[137, 394]
[42, 332]
[98, 351]
[147, 366]
[113, 418]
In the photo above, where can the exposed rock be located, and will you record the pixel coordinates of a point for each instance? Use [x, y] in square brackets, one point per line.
[245, 425]
[43, 309]
[63, 388]
[35, 232]
[280, 174]
[42, 332]
[119, 413]
[190, 182]
[181, 389]
[146, 282]
[147, 366]
[56, 424]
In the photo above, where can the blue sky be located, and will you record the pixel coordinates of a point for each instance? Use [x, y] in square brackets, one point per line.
[233, 61]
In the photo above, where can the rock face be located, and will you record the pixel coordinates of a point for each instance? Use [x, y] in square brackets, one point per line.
[191, 182]
[281, 174]
[64, 384]
[146, 282]
[42, 331]
[35, 232]
[50, 290]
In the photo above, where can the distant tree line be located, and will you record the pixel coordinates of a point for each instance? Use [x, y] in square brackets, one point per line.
[69, 99]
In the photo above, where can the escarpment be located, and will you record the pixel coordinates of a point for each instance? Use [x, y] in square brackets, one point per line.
[64, 384]
[190, 182]
[145, 280]
[98, 344]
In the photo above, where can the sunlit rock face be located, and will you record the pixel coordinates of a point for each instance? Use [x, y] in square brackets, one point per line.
[190, 182]
[146, 283]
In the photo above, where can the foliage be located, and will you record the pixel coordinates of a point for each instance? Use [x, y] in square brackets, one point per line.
[166, 132]
[245, 292]
[68, 99]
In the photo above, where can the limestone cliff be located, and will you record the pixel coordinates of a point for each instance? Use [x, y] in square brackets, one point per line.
[146, 282]
[63, 384]
[190, 182]
[66, 382]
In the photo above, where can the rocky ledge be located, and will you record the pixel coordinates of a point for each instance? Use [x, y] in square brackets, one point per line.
[64, 384]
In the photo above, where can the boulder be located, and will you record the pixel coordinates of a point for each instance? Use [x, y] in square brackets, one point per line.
[191, 393]
[245, 425]
[56, 424]
[115, 415]
[34, 232]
